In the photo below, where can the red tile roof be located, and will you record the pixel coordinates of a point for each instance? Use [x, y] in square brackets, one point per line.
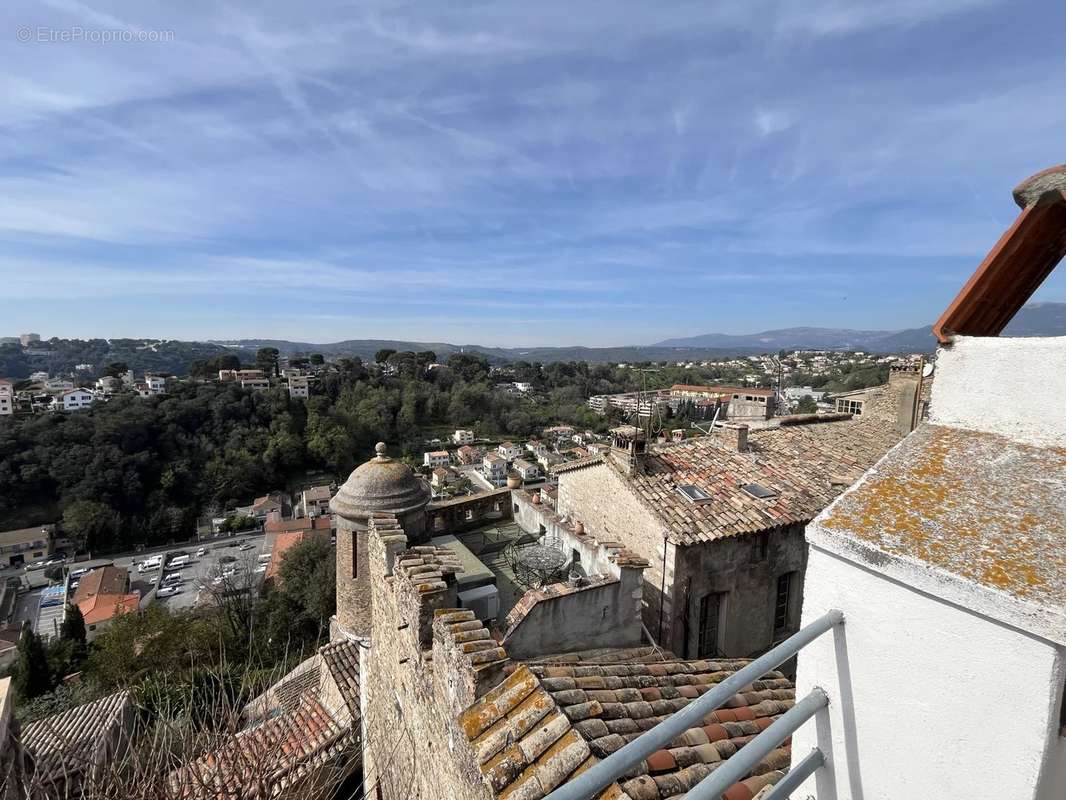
[288, 540]
[796, 462]
[1018, 263]
[552, 719]
[296, 525]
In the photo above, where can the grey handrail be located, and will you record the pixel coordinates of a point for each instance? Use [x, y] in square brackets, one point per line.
[599, 776]
[745, 759]
[797, 775]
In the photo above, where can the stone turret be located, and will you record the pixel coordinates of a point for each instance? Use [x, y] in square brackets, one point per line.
[382, 485]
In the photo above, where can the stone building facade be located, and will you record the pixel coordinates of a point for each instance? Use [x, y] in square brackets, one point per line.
[448, 713]
[901, 403]
[726, 567]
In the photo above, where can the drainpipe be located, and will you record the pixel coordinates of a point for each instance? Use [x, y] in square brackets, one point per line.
[662, 593]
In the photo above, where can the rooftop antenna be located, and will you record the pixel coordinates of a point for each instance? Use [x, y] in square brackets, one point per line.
[642, 396]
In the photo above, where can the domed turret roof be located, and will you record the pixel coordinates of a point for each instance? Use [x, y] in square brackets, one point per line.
[381, 484]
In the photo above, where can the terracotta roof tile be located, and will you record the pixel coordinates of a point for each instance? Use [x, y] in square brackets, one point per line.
[793, 462]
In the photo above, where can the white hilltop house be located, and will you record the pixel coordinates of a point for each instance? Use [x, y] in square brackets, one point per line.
[947, 677]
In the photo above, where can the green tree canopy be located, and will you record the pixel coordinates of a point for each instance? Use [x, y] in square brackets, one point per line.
[89, 523]
[382, 355]
[308, 577]
[266, 358]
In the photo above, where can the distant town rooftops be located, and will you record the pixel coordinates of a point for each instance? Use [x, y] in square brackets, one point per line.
[721, 390]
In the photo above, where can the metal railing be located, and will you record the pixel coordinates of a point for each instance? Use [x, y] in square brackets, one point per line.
[601, 775]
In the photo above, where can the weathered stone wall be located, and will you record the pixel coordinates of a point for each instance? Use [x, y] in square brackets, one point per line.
[588, 617]
[745, 569]
[896, 402]
[413, 745]
[603, 502]
[353, 588]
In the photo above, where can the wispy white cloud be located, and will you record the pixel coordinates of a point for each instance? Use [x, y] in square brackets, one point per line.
[488, 154]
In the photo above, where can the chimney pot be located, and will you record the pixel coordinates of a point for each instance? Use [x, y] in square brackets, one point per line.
[738, 436]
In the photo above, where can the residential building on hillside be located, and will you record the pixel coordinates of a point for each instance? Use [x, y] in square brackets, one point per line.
[314, 502]
[7, 398]
[18, 547]
[526, 470]
[720, 520]
[256, 384]
[58, 385]
[157, 385]
[463, 436]
[275, 527]
[436, 458]
[509, 451]
[73, 400]
[26, 339]
[103, 595]
[468, 454]
[299, 387]
[494, 468]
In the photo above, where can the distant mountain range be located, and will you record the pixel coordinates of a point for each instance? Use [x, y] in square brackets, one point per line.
[1036, 319]
[61, 356]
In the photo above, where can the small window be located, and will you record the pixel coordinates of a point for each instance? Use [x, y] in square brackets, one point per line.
[758, 491]
[694, 494]
[761, 546]
[515, 508]
[710, 614]
[575, 556]
[783, 602]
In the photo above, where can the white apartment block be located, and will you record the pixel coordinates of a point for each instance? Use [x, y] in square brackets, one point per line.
[7, 398]
[509, 451]
[436, 458]
[299, 387]
[463, 437]
[74, 400]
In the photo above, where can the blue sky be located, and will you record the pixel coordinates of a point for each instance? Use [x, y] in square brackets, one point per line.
[513, 173]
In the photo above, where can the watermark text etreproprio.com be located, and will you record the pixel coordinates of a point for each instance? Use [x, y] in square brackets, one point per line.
[76, 33]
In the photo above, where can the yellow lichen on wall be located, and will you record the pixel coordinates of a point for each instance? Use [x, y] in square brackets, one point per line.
[978, 505]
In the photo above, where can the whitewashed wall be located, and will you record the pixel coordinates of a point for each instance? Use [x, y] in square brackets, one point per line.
[927, 699]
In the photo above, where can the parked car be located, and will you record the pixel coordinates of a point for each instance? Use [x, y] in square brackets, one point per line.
[168, 591]
[201, 552]
[247, 546]
[173, 577]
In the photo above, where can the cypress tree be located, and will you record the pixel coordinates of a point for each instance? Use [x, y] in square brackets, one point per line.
[33, 675]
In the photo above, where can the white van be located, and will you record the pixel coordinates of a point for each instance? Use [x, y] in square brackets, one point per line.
[264, 558]
[178, 561]
[150, 564]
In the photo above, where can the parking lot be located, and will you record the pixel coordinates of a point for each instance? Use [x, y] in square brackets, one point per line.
[242, 552]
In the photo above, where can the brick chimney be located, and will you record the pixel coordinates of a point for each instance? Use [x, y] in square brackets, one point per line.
[736, 436]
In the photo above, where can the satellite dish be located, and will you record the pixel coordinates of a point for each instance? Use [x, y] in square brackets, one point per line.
[927, 370]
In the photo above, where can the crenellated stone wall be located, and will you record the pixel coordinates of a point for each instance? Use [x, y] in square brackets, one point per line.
[426, 663]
